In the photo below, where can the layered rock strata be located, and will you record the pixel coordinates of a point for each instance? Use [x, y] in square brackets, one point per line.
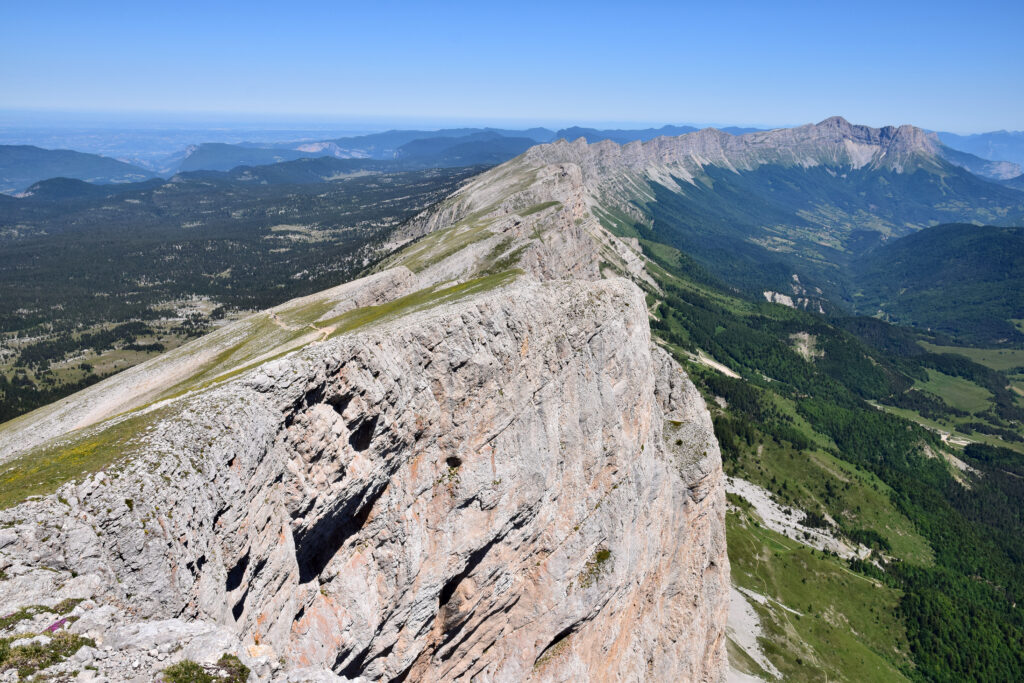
[513, 486]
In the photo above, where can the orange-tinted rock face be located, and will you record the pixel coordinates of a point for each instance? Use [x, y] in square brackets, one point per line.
[438, 499]
[516, 511]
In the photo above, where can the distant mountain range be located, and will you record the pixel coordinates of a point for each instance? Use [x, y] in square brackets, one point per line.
[1002, 145]
[21, 166]
[783, 212]
[219, 156]
[986, 168]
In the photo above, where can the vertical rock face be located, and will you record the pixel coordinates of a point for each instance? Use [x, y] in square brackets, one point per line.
[514, 487]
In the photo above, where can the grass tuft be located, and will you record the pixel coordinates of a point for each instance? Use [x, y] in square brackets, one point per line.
[229, 669]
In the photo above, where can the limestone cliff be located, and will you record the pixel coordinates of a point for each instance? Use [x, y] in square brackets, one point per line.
[613, 170]
[471, 465]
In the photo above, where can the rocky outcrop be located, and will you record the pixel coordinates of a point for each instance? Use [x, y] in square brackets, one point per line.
[512, 486]
[834, 142]
[247, 341]
[472, 464]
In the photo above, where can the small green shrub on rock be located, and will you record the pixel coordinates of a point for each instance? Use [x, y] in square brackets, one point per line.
[28, 659]
[228, 669]
[187, 671]
[234, 670]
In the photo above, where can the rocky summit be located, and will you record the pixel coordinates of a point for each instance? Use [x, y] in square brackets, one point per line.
[471, 464]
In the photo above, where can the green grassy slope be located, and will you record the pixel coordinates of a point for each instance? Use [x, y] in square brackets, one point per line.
[823, 619]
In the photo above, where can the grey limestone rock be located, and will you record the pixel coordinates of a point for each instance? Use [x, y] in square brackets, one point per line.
[484, 489]
[500, 478]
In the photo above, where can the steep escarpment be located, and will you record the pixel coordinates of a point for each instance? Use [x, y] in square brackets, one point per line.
[515, 486]
[472, 463]
[833, 142]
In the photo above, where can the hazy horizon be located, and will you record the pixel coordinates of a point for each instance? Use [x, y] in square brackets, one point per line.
[343, 124]
[579, 64]
[183, 120]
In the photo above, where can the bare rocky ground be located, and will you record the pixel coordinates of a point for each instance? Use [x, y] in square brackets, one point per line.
[744, 629]
[788, 521]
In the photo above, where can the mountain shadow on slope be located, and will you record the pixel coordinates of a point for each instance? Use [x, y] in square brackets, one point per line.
[755, 229]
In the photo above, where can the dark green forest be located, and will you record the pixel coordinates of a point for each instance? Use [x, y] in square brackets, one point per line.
[961, 611]
[962, 280]
[105, 267]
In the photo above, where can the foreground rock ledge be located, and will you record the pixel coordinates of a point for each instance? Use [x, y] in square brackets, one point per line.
[514, 487]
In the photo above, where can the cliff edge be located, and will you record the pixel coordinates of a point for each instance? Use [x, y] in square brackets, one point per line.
[483, 470]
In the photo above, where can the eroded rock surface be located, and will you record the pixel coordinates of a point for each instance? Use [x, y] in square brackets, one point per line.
[472, 464]
[516, 486]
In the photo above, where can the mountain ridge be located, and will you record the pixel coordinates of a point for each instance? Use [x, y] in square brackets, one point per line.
[832, 141]
[554, 264]
[542, 417]
[23, 165]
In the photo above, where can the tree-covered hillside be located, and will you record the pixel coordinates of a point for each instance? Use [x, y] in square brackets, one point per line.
[818, 417]
[755, 229]
[962, 280]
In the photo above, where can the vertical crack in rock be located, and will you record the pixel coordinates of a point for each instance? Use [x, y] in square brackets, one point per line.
[239, 606]
[553, 646]
[355, 669]
[317, 545]
[237, 573]
[452, 618]
[362, 433]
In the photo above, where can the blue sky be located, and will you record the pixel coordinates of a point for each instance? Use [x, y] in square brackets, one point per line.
[941, 65]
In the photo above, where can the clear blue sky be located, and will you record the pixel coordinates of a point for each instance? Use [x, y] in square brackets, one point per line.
[956, 66]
